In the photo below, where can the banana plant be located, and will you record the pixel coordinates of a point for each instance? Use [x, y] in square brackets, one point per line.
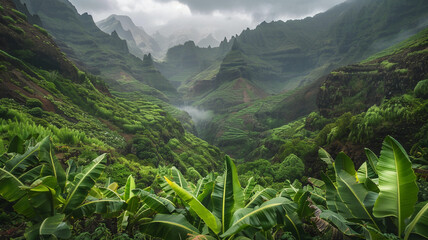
[382, 188]
[49, 196]
[231, 215]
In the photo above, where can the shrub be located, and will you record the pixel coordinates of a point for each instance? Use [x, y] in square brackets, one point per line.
[421, 89]
[20, 14]
[9, 19]
[36, 112]
[291, 168]
[33, 102]
[42, 30]
[16, 29]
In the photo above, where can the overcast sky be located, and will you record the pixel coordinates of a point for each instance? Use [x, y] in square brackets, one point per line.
[220, 17]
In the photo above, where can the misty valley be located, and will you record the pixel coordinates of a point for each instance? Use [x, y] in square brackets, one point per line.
[234, 120]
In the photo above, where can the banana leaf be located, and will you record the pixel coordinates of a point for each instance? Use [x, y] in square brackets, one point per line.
[110, 207]
[419, 222]
[55, 226]
[372, 160]
[325, 156]
[303, 209]
[46, 155]
[210, 220]
[261, 197]
[20, 162]
[16, 145]
[10, 186]
[200, 186]
[227, 196]
[31, 175]
[83, 182]
[166, 226]
[156, 203]
[353, 195]
[130, 185]
[251, 184]
[337, 220]
[264, 217]
[365, 175]
[397, 184]
[178, 178]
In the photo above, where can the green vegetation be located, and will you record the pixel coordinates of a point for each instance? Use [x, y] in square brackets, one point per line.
[42, 30]
[346, 202]
[421, 89]
[20, 14]
[16, 29]
[9, 19]
[86, 159]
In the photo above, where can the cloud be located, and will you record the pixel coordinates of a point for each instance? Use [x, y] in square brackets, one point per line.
[220, 17]
[261, 10]
[94, 5]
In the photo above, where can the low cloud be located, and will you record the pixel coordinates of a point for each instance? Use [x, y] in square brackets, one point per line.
[223, 18]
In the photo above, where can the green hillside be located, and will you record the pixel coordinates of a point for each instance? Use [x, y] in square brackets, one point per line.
[94, 50]
[53, 97]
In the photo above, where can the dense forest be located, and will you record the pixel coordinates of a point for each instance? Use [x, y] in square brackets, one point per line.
[305, 129]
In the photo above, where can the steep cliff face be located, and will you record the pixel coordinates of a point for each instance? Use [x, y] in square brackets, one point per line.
[355, 88]
[94, 50]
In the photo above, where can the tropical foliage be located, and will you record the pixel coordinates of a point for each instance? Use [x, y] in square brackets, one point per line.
[379, 200]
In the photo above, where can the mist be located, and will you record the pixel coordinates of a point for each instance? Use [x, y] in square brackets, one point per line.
[197, 114]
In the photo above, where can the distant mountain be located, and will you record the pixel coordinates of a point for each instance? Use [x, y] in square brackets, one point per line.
[282, 56]
[97, 52]
[139, 42]
[175, 38]
[208, 41]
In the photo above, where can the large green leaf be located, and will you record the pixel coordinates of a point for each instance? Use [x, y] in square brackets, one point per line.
[210, 220]
[130, 185]
[290, 189]
[261, 197]
[419, 223]
[167, 226]
[201, 184]
[251, 184]
[264, 217]
[365, 175]
[156, 203]
[10, 186]
[83, 182]
[47, 155]
[42, 196]
[22, 161]
[325, 156]
[106, 206]
[353, 195]
[303, 209]
[16, 145]
[179, 178]
[337, 220]
[31, 175]
[227, 196]
[397, 184]
[372, 161]
[55, 226]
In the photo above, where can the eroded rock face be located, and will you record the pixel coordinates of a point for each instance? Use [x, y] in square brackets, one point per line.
[355, 88]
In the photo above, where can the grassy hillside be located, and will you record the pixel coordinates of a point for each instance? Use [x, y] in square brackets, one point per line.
[54, 98]
[358, 106]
